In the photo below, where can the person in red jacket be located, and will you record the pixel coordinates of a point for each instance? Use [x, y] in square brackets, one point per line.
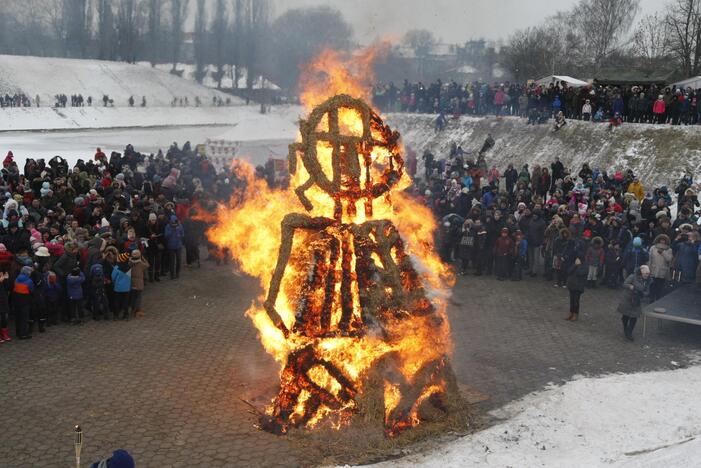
[8, 160]
[100, 156]
[659, 109]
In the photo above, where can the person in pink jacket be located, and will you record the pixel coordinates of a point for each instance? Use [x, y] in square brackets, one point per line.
[659, 109]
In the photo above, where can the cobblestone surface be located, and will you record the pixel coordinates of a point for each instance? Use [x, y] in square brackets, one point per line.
[167, 387]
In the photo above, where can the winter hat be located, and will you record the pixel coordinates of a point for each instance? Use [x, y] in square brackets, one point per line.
[75, 271]
[120, 176]
[586, 234]
[78, 201]
[42, 251]
[152, 217]
[123, 257]
[173, 219]
[96, 270]
[135, 254]
[120, 459]
[637, 242]
[26, 270]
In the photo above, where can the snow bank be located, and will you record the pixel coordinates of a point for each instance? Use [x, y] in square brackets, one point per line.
[47, 77]
[636, 420]
[658, 153]
[256, 125]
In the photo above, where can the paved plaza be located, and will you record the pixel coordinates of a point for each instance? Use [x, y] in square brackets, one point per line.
[168, 387]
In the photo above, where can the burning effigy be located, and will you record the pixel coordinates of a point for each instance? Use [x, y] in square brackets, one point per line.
[355, 309]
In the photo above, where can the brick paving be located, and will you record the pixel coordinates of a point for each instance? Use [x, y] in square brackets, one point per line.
[167, 387]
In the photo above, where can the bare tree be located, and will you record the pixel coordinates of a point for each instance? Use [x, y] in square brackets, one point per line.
[200, 41]
[256, 21]
[77, 33]
[301, 33]
[237, 35]
[131, 20]
[651, 38]
[532, 53]
[603, 25]
[106, 49]
[420, 40]
[684, 23]
[178, 16]
[154, 30]
[220, 33]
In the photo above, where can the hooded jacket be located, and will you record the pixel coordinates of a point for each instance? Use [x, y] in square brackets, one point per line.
[661, 256]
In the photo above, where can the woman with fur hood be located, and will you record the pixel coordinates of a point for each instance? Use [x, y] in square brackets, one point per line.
[660, 262]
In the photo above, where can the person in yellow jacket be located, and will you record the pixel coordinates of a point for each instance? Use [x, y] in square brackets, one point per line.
[637, 189]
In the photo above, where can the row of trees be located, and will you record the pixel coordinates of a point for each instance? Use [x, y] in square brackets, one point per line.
[599, 33]
[233, 35]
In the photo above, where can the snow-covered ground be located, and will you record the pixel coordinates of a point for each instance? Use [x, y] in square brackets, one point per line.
[227, 82]
[257, 136]
[47, 77]
[279, 122]
[658, 153]
[641, 420]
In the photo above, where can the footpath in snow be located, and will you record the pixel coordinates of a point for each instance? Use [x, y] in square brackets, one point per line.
[280, 123]
[642, 420]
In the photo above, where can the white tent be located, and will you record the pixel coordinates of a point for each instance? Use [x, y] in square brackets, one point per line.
[557, 78]
[694, 83]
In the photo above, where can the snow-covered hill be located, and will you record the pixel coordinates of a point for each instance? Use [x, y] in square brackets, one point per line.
[658, 153]
[188, 72]
[48, 77]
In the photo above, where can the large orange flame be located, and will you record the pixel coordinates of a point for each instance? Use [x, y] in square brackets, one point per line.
[250, 228]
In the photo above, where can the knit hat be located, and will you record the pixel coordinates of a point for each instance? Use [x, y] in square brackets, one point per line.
[586, 234]
[42, 251]
[120, 459]
[123, 257]
[26, 270]
[135, 254]
[637, 242]
[173, 219]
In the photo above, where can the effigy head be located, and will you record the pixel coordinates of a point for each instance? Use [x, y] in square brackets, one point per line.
[349, 153]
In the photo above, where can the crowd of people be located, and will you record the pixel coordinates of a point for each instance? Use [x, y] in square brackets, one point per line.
[538, 103]
[15, 100]
[85, 242]
[576, 229]
[78, 100]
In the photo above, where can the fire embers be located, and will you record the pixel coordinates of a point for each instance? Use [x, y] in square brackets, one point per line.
[358, 304]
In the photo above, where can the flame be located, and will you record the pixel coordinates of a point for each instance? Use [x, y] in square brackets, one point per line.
[250, 227]
[334, 72]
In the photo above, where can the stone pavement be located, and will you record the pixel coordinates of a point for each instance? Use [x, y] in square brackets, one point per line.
[167, 387]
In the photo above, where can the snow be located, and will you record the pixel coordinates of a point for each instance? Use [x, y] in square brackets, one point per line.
[255, 136]
[188, 70]
[47, 77]
[47, 118]
[659, 154]
[623, 420]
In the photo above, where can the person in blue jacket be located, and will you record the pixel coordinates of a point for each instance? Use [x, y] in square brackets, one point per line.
[121, 279]
[174, 234]
[74, 292]
[686, 254]
[634, 256]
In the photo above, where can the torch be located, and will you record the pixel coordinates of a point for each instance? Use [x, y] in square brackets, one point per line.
[78, 442]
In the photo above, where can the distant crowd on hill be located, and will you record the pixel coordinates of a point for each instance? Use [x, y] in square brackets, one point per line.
[78, 100]
[639, 104]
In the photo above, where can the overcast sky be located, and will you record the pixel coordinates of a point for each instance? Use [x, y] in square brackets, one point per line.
[453, 21]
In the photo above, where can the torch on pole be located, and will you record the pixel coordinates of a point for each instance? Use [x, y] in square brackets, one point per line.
[78, 442]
